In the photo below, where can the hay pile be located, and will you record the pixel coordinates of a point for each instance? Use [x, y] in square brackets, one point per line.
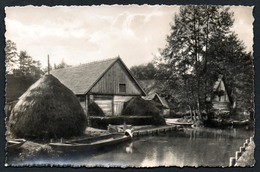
[140, 107]
[48, 109]
[95, 110]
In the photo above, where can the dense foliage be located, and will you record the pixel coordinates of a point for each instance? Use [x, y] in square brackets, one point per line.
[144, 72]
[200, 47]
[104, 122]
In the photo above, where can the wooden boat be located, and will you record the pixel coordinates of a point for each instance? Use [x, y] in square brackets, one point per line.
[225, 123]
[240, 123]
[177, 122]
[15, 144]
[91, 143]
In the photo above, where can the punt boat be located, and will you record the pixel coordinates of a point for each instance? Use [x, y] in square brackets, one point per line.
[14, 144]
[92, 143]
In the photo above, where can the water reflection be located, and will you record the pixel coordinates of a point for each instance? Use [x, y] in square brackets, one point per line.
[129, 148]
[191, 147]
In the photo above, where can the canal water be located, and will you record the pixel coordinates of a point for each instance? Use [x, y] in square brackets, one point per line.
[191, 147]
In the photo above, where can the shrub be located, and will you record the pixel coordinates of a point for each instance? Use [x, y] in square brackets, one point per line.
[103, 122]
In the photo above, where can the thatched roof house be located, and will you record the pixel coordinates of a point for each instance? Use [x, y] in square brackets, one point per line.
[108, 83]
[48, 109]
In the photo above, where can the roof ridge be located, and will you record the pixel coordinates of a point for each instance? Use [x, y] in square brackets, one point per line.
[92, 62]
[98, 61]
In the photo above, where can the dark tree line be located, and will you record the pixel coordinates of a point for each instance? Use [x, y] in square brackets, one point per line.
[21, 63]
[144, 72]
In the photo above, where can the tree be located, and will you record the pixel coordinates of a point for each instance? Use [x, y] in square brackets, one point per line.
[36, 69]
[144, 71]
[28, 66]
[200, 46]
[24, 63]
[11, 58]
[61, 65]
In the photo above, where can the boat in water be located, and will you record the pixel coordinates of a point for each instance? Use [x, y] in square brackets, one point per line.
[178, 121]
[92, 143]
[226, 123]
[14, 144]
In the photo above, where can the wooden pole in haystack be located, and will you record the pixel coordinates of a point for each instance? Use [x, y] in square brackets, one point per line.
[48, 65]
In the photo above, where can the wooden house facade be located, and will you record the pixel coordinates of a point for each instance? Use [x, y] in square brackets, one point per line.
[108, 83]
[221, 99]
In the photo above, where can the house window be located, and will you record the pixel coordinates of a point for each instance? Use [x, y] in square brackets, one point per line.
[122, 88]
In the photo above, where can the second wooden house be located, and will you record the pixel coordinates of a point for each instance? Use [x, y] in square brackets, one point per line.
[221, 99]
[108, 83]
[162, 104]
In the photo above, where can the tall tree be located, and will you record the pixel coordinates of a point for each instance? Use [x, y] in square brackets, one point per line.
[28, 66]
[21, 63]
[200, 45]
[25, 62]
[11, 58]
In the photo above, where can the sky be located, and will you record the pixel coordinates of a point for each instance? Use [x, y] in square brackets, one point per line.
[81, 34]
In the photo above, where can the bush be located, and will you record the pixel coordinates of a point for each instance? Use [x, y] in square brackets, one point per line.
[174, 114]
[103, 122]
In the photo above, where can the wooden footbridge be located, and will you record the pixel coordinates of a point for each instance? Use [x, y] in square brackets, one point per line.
[156, 130]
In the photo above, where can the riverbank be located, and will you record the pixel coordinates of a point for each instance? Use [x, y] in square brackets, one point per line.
[247, 158]
[163, 148]
[31, 150]
[34, 149]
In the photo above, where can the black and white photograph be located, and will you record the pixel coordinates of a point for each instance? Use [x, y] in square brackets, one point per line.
[129, 86]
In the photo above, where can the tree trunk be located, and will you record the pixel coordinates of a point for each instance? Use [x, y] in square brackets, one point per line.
[190, 111]
[196, 65]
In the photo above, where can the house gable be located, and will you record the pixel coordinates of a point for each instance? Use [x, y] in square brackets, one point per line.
[116, 80]
[221, 94]
[81, 78]
[221, 100]
[98, 77]
[155, 97]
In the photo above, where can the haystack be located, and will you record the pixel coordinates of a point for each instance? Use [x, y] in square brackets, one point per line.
[140, 107]
[48, 109]
[95, 110]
